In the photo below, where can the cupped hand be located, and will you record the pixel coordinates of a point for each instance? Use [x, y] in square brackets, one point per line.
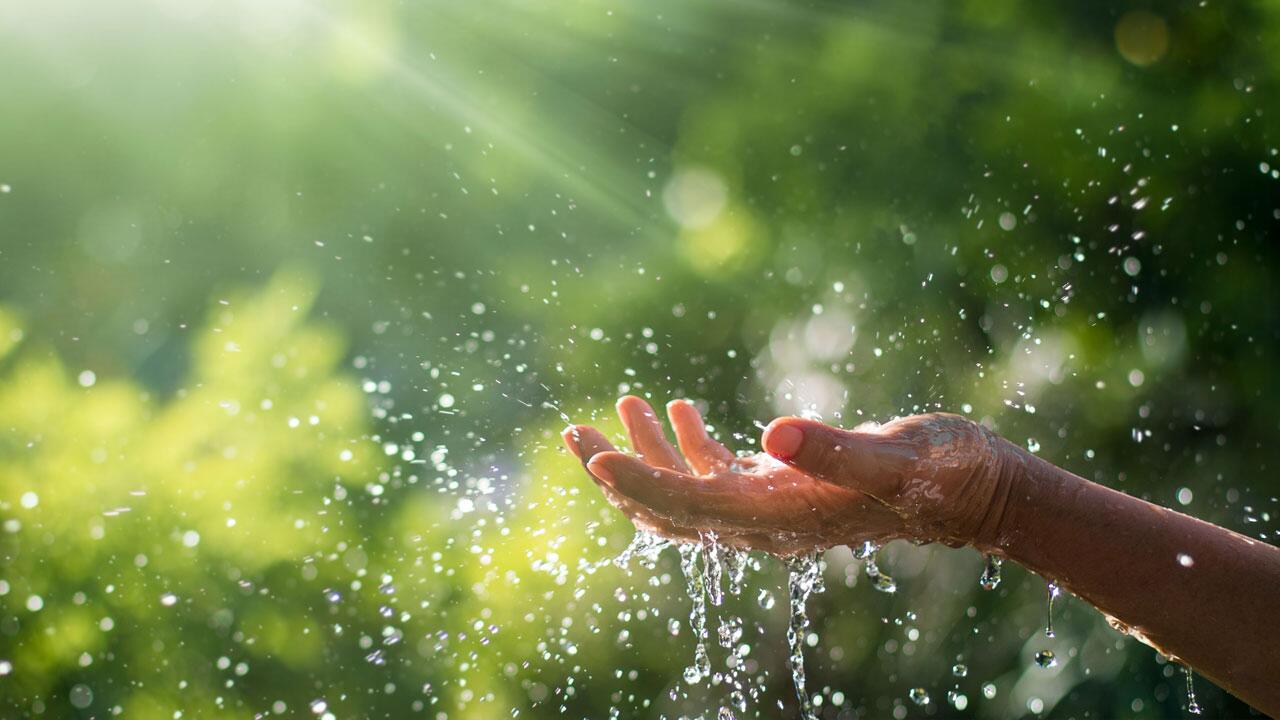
[924, 478]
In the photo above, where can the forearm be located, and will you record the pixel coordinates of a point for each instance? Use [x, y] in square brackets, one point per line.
[1196, 592]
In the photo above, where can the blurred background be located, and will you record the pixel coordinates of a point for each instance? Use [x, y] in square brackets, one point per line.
[296, 295]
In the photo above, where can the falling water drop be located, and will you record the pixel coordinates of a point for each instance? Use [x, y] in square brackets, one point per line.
[879, 580]
[990, 572]
[1046, 659]
[730, 631]
[919, 696]
[1193, 707]
[735, 566]
[865, 550]
[1053, 593]
[713, 569]
[804, 578]
[765, 599]
[689, 555]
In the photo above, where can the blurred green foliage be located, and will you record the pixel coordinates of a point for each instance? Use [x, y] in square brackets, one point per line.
[296, 295]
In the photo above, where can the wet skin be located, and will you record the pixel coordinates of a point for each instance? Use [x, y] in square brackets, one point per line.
[924, 478]
[942, 478]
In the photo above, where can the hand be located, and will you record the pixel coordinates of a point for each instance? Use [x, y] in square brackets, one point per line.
[924, 478]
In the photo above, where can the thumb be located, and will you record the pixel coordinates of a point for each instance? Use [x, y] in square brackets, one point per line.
[863, 461]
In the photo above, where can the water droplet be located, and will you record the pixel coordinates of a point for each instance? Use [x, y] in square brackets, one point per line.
[766, 600]
[730, 631]
[1053, 593]
[81, 696]
[1046, 659]
[919, 696]
[988, 690]
[1193, 707]
[990, 572]
[959, 670]
[168, 599]
[879, 580]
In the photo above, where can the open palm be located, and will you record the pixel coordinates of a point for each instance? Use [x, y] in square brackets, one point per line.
[753, 501]
[926, 478]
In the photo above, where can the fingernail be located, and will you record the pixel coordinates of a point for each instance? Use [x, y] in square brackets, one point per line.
[782, 441]
[601, 472]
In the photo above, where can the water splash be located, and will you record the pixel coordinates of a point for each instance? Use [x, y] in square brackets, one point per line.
[730, 633]
[646, 546]
[1193, 707]
[735, 566]
[705, 565]
[1053, 593]
[990, 579]
[805, 578]
[713, 569]
[690, 553]
[734, 562]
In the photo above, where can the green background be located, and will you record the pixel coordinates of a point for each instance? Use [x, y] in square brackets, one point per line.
[296, 295]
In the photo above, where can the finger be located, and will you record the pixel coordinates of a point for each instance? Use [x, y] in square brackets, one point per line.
[704, 454]
[585, 441]
[733, 500]
[646, 434]
[861, 461]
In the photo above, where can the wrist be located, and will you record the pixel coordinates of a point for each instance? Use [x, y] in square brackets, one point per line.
[1007, 483]
[1028, 494]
